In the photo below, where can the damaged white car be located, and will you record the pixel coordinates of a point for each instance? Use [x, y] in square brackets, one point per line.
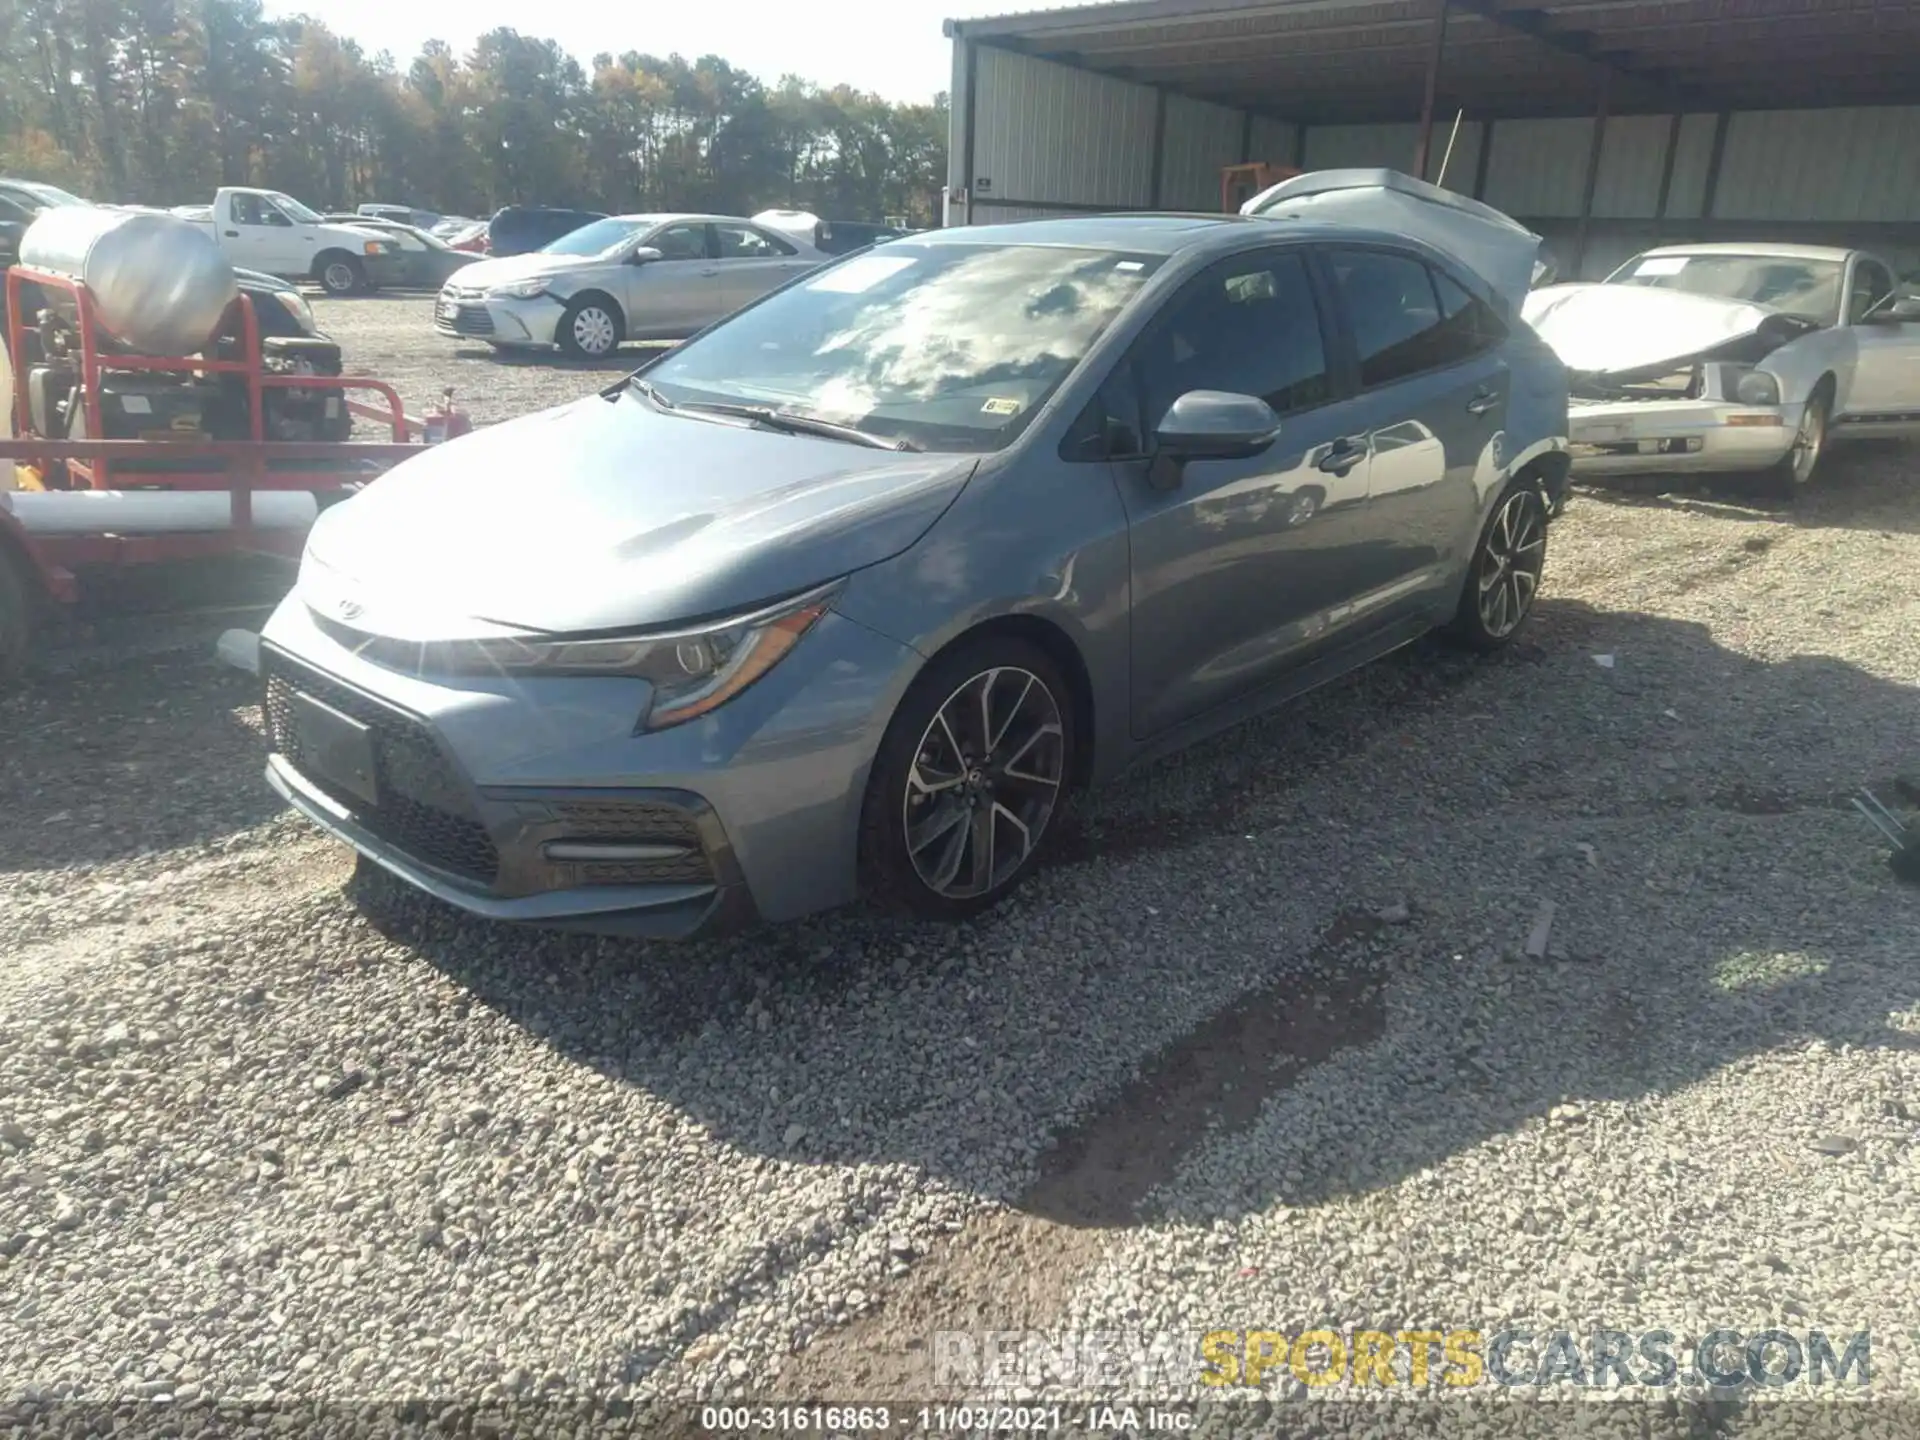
[1697, 358]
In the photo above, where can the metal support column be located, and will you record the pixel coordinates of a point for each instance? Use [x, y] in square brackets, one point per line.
[1666, 174]
[1159, 144]
[1425, 145]
[1485, 160]
[971, 60]
[1593, 173]
[1711, 190]
[1246, 137]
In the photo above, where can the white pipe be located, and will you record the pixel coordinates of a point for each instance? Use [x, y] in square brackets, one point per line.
[1452, 136]
[152, 512]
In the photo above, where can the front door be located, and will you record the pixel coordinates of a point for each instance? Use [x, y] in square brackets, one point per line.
[1242, 571]
[268, 240]
[1426, 354]
[678, 293]
[1885, 393]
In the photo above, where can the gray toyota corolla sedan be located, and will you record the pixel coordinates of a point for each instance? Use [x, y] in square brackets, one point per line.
[844, 595]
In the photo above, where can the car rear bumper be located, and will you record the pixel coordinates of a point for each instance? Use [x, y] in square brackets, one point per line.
[1678, 436]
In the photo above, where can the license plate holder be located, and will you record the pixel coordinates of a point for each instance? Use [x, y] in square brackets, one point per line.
[337, 748]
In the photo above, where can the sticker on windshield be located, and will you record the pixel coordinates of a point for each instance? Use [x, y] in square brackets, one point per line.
[1662, 265]
[856, 276]
[1000, 405]
[1130, 265]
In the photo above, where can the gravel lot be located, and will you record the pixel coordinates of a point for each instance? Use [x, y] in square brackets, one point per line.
[1260, 1050]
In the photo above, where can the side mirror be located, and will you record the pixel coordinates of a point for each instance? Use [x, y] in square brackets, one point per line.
[645, 254]
[1210, 425]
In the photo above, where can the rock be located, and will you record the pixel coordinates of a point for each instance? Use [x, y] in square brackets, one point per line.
[13, 1133]
[67, 1213]
[1836, 1145]
[738, 1368]
[795, 1134]
[1398, 913]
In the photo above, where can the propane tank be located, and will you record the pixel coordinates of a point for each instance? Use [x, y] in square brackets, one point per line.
[159, 284]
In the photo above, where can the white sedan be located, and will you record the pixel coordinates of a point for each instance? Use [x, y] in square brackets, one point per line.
[1733, 357]
[628, 277]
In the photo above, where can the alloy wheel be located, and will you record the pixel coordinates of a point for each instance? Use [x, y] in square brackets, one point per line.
[1808, 441]
[1511, 559]
[593, 331]
[984, 783]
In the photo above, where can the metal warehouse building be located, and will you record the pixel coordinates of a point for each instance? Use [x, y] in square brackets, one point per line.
[1605, 125]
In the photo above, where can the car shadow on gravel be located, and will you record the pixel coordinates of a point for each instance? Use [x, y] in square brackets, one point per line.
[1868, 485]
[1075, 1054]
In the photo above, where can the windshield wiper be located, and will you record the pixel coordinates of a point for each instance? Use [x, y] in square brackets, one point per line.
[795, 424]
[651, 391]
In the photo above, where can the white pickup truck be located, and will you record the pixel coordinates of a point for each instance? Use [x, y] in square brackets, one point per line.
[266, 230]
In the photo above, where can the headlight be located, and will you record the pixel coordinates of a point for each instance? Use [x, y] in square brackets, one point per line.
[518, 290]
[692, 671]
[1756, 387]
[295, 304]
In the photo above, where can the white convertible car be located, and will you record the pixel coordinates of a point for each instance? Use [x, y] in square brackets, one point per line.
[1696, 358]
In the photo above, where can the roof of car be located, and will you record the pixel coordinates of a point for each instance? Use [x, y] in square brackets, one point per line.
[1157, 233]
[1767, 249]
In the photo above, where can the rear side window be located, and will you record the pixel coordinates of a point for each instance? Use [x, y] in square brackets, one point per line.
[1394, 310]
[1470, 324]
[738, 242]
[681, 242]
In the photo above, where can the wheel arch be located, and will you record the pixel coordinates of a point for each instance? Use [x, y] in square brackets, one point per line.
[327, 256]
[595, 293]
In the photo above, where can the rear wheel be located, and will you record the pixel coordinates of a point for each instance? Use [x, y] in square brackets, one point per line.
[968, 781]
[1504, 578]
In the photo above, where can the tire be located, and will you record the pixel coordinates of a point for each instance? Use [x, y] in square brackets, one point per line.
[16, 618]
[1503, 580]
[934, 737]
[339, 273]
[1797, 469]
[591, 329]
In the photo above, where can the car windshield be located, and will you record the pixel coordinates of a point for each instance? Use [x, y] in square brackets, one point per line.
[51, 194]
[295, 210]
[1809, 289]
[595, 239]
[951, 347]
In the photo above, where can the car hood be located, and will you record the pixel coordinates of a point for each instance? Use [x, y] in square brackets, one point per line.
[506, 269]
[1494, 246]
[609, 514]
[1631, 329]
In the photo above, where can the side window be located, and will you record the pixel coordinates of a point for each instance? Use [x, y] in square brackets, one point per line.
[681, 242]
[737, 242]
[246, 210]
[12, 212]
[1248, 325]
[1470, 325]
[1871, 285]
[1391, 304]
[272, 214]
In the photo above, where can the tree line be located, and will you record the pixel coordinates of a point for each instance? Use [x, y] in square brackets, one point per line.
[161, 101]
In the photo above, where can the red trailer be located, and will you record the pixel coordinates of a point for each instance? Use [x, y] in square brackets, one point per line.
[62, 443]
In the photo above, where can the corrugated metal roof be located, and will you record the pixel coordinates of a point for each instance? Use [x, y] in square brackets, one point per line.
[1333, 61]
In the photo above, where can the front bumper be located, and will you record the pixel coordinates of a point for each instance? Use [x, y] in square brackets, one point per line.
[534, 800]
[1641, 437]
[390, 268]
[498, 322]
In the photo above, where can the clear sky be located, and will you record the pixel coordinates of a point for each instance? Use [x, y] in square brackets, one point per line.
[891, 47]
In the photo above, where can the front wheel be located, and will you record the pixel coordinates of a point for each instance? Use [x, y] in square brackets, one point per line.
[1796, 469]
[591, 329]
[968, 781]
[1504, 578]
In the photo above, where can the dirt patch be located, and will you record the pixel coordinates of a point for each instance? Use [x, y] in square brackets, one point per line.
[1015, 1269]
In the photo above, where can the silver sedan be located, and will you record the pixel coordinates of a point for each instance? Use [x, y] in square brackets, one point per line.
[628, 277]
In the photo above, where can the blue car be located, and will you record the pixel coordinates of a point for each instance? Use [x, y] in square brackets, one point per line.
[842, 597]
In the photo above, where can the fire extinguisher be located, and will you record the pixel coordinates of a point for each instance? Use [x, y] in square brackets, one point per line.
[447, 423]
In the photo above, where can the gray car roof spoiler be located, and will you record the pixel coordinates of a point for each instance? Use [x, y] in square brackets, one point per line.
[1496, 247]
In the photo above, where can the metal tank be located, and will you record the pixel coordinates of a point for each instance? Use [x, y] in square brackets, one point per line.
[160, 285]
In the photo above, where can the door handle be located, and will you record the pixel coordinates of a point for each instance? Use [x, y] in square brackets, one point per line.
[1341, 457]
[1482, 402]
[713, 270]
[233, 234]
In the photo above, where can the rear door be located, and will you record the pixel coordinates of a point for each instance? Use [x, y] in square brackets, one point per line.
[1427, 359]
[752, 261]
[1244, 570]
[678, 293]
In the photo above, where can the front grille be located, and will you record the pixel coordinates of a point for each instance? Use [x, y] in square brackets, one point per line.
[689, 869]
[424, 807]
[468, 320]
[636, 822]
[615, 821]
